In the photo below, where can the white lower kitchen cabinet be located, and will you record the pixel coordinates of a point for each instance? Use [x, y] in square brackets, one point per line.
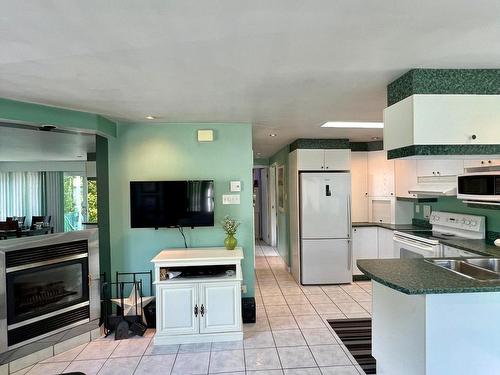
[203, 303]
[364, 246]
[385, 243]
[453, 252]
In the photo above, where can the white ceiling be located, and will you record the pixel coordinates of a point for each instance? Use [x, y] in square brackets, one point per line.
[34, 145]
[284, 65]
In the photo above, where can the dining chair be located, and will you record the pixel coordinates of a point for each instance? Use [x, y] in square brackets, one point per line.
[40, 219]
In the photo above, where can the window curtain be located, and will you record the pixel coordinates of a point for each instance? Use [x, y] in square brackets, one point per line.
[22, 194]
[54, 197]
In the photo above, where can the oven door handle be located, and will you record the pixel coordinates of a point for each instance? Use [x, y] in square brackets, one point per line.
[416, 244]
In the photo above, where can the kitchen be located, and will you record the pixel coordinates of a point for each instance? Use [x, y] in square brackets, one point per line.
[427, 192]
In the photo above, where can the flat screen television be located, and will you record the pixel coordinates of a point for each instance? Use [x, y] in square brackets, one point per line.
[169, 204]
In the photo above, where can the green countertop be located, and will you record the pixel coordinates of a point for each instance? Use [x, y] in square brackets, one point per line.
[384, 225]
[416, 276]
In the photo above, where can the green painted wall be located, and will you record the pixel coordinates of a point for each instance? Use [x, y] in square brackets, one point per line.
[260, 162]
[37, 114]
[281, 158]
[170, 152]
[103, 217]
[452, 204]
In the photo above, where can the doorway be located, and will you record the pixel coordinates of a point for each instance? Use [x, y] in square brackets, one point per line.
[264, 205]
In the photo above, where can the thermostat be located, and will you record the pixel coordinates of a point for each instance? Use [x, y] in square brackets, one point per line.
[235, 186]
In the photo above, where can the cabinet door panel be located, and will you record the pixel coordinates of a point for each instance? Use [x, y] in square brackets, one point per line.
[337, 160]
[311, 160]
[439, 167]
[385, 243]
[221, 305]
[405, 177]
[380, 175]
[364, 245]
[177, 305]
[359, 186]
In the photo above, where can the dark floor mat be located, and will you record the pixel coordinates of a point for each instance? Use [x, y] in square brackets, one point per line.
[356, 335]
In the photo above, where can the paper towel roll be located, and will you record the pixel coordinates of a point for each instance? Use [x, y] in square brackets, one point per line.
[497, 242]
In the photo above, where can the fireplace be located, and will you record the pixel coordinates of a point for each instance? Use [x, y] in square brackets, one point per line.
[49, 288]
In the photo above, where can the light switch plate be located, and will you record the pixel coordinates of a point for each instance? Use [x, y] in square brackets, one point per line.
[230, 199]
[427, 212]
[235, 186]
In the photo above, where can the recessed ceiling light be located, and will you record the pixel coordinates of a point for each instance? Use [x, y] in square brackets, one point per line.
[347, 124]
[149, 117]
[272, 135]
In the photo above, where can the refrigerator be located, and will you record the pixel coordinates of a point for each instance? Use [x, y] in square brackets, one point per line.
[325, 228]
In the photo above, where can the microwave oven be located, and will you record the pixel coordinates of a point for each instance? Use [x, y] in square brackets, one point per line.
[481, 186]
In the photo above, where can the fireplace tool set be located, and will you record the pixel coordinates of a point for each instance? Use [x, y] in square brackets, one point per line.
[128, 315]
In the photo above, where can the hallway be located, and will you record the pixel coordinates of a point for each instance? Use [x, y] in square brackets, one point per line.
[291, 331]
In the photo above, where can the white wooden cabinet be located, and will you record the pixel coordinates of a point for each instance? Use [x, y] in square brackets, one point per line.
[364, 245]
[442, 119]
[220, 307]
[359, 186]
[439, 168]
[198, 309]
[405, 176]
[323, 160]
[481, 163]
[380, 175]
[385, 243]
[178, 302]
[449, 251]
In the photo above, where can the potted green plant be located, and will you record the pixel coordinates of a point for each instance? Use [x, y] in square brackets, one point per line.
[230, 226]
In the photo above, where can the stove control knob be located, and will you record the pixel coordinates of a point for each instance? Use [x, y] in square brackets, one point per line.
[467, 222]
[474, 223]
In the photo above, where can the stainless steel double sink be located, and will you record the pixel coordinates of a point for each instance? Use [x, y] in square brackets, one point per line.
[480, 269]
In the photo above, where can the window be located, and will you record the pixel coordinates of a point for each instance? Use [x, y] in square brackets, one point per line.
[92, 200]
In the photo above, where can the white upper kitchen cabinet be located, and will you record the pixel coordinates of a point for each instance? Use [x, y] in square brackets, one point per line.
[439, 168]
[364, 246]
[324, 160]
[359, 184]
[442, 119]
[385, 243]
[380, 175]
[311, 160]
[405, 177]
[337, 160]
[481, 163]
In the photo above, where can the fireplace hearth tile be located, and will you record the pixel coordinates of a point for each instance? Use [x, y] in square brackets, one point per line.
[4, 370]
[31, 359]
[23, 371]
[71, 343]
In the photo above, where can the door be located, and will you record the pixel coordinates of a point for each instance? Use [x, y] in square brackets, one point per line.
[75, 201]
[364, 246]
[220, 307]
[264, 209]
[273, 217]
[311, 160]
[325, 205]
[326, 261]
[179, 309]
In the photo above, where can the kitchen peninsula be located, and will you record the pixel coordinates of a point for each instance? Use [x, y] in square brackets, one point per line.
[430, 320]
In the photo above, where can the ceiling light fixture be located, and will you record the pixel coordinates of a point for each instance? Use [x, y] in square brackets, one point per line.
[149, 117]
[357, 125]
[272, 135]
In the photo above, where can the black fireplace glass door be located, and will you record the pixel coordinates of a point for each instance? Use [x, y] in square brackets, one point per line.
[37, 291]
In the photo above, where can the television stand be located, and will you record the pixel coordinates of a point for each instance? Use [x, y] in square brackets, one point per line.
[198, 295]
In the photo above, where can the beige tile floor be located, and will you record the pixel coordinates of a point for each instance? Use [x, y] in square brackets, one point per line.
[290, 337]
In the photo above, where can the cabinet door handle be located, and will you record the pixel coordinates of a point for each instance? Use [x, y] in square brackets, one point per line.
[202, 310]
[196, 310]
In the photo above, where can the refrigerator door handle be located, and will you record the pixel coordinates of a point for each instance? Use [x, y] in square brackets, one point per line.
[349, 218]
[349, 254]
[328, 192]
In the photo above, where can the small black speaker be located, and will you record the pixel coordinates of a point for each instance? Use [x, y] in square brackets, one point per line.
[248, 309]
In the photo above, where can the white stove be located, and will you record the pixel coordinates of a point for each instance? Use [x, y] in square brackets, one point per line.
[445, 225]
